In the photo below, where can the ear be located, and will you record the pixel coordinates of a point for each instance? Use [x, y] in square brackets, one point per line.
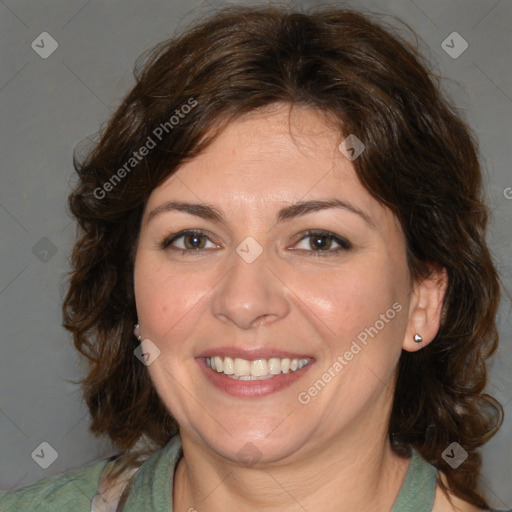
[425, 309]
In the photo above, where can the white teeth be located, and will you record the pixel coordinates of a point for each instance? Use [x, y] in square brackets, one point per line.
[228, 366]
[218, 364]
[258, 369]
[274, 366]
[302, 363]
[242, 367]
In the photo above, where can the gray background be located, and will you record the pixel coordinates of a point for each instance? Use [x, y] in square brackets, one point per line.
[49, 105]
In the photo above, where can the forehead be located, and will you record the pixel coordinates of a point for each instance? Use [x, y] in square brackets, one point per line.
[270, 158]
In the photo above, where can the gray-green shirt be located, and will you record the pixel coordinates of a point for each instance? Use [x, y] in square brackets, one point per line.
[153, 484]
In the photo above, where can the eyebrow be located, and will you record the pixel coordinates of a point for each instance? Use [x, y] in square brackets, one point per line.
[298, 209]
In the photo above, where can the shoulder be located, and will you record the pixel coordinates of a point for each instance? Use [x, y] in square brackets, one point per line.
[70, 491]
[443, 503]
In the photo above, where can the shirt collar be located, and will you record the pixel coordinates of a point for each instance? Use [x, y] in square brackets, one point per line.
[152, 486]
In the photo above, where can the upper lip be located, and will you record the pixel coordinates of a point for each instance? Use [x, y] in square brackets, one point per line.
[252, 354]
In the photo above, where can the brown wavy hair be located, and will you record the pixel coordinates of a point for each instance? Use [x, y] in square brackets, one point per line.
[420, 161]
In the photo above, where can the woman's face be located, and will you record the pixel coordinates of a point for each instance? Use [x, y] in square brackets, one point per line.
[263, 252]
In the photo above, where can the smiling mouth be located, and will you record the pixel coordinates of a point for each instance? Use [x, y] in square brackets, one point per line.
[257, 369]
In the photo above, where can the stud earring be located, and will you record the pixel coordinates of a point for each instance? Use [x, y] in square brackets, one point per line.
[418, 338]
[136, 331]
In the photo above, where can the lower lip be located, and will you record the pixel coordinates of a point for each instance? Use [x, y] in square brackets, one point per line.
[251, 388]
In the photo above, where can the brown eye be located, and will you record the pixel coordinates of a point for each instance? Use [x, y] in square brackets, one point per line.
[188, 241]
[194, 241]
[320, 242]
[317, 242]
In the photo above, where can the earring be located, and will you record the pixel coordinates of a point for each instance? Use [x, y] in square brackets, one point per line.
[418, 338]
[136, 331]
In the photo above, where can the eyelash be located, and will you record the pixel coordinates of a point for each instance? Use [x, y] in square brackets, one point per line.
[344, 245]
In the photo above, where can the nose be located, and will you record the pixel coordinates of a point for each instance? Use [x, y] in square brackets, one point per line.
[250, 294]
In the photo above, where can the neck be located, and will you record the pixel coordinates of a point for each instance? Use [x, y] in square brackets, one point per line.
[354, 471]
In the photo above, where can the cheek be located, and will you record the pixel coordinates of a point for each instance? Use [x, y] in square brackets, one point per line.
[363, 307]
[365, 314]
[168, 303]
[349, 300]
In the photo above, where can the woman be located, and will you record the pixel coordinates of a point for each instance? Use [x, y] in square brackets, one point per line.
[282, 283]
